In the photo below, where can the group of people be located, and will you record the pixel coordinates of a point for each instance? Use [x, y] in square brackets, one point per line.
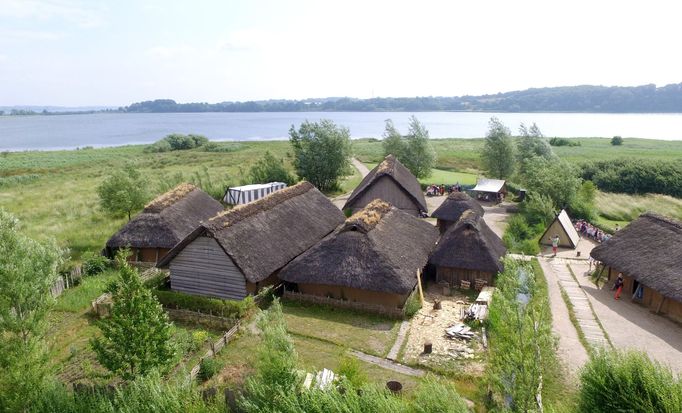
[585, 229]
[442, 189]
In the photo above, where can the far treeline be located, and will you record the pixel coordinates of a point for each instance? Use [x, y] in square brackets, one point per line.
[615, 99]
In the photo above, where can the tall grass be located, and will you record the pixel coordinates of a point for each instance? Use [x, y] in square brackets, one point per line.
[623, 207]
[617, 381]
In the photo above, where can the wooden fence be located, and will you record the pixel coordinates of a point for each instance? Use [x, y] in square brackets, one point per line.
[66, 281]
[102, 304]
[208, 320]
[215, 348]
[392, 312]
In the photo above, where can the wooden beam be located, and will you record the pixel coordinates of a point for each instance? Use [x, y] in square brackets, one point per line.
[419, 285]
[599, 275]
[658, 310]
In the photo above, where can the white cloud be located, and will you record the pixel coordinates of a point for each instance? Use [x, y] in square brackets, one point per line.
[82, 14]
[12, 34]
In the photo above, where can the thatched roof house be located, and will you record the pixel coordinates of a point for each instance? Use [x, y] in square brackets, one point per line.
[239, 250]
[389, 181]
[468, 251]
[649, 254]
[371, 259]
[164, 222]
[452, 209]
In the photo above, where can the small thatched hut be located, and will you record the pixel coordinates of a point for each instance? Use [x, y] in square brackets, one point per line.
[452, 209]
[648, 253]
[164, 222]
[389, 181]
[237, 251]
[370, 260]
[563, 227]
[468, 251]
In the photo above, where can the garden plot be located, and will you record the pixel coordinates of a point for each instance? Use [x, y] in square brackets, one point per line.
[431, 326]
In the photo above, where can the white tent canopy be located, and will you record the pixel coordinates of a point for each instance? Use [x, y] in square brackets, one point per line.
[489, 185]
[238, 195]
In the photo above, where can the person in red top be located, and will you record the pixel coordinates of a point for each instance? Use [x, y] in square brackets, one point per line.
[618, 286]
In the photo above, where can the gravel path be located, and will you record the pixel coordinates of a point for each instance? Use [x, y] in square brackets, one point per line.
[402, 333]
[388, 364]
[570, 350]
[340, 200]
[633, 326]
[361, 167]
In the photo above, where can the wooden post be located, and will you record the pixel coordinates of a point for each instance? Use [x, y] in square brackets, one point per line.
[419, 285]
[428, 347]
[599, 275]
[658, 310]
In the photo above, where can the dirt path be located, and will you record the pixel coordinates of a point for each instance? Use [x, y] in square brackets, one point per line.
[570, 351]
[388, 364]
[633, 326]
[402, 333]
[361, 167]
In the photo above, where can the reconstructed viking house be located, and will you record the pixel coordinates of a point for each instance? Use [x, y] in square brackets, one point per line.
[237, 251]
[389, 181]
[648, 252]
[452, 209]
[468, 251]
[164, 222]
[371, 260]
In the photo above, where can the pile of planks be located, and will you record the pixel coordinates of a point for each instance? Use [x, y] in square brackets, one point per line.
[460, 331]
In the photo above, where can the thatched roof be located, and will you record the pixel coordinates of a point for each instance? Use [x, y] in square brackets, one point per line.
[391, 167]
[454, 206]
[649, 249]
[167, 219]
[263, 236]
[469, 244]
[379, 249]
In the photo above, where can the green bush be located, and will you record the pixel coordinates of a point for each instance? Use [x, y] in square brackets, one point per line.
[351, 369]
[616, 381]
[215, 306]
[413, 304]
[537, 209]
[436, 396]
[563, 142]
[616, 141]
[519, 228]
[225, 147]
[177, 142]
[158, 147]
[208, 368]
[94, 264]
[636, 176]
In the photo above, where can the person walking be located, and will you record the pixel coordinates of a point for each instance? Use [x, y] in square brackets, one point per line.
[618, 286]
[555, 244]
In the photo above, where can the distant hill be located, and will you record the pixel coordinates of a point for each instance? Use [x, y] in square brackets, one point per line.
[615, 99]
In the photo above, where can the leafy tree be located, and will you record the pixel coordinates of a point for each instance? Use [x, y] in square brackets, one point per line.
[420, 156]
[270, 169]
[498, 150]
[393, 141]
[136, 339]
[123, 192]
[557, 179]
[616, 141]
[532, 143]
[27, 271]
[321, 152]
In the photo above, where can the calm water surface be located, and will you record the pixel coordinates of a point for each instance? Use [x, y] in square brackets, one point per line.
[71, 131]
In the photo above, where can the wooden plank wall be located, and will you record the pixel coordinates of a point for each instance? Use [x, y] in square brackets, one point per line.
[203, 268]
[385, 188]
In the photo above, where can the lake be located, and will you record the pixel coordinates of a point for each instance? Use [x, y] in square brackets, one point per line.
[112, 129]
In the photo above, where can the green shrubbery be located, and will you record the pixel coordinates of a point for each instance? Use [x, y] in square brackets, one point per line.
[215, 306]
[94, 263]
[208, 368]
[636, 176]
[616, 141]
[413, 304]
[563, 142]
[177, 142]
[617, 381]
[224, 147]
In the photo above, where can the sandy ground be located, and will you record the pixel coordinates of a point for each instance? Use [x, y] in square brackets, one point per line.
[429, 325]
[633, 326]
[585, 245]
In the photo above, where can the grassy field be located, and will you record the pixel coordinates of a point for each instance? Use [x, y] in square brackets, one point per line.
[439, 176]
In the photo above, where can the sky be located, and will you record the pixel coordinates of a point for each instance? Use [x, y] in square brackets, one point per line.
[113, 53]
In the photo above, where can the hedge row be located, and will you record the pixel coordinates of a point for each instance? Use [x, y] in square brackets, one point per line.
[214, 306]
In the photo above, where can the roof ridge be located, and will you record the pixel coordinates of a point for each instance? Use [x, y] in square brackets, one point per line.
[663, 218]
[169, 198]
[241, 212]
[387, 166]
[368, 217]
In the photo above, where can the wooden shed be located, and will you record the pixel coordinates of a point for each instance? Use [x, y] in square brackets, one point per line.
[371, 259]
[240, 250]
[468, 251]
[490, 190]
[449, 212]
[163, 223]
[389, 181]
[563, 227]
[648, 254]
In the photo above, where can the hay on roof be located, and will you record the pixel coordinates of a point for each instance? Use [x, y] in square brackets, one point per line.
[454, 205]
[169, 198]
